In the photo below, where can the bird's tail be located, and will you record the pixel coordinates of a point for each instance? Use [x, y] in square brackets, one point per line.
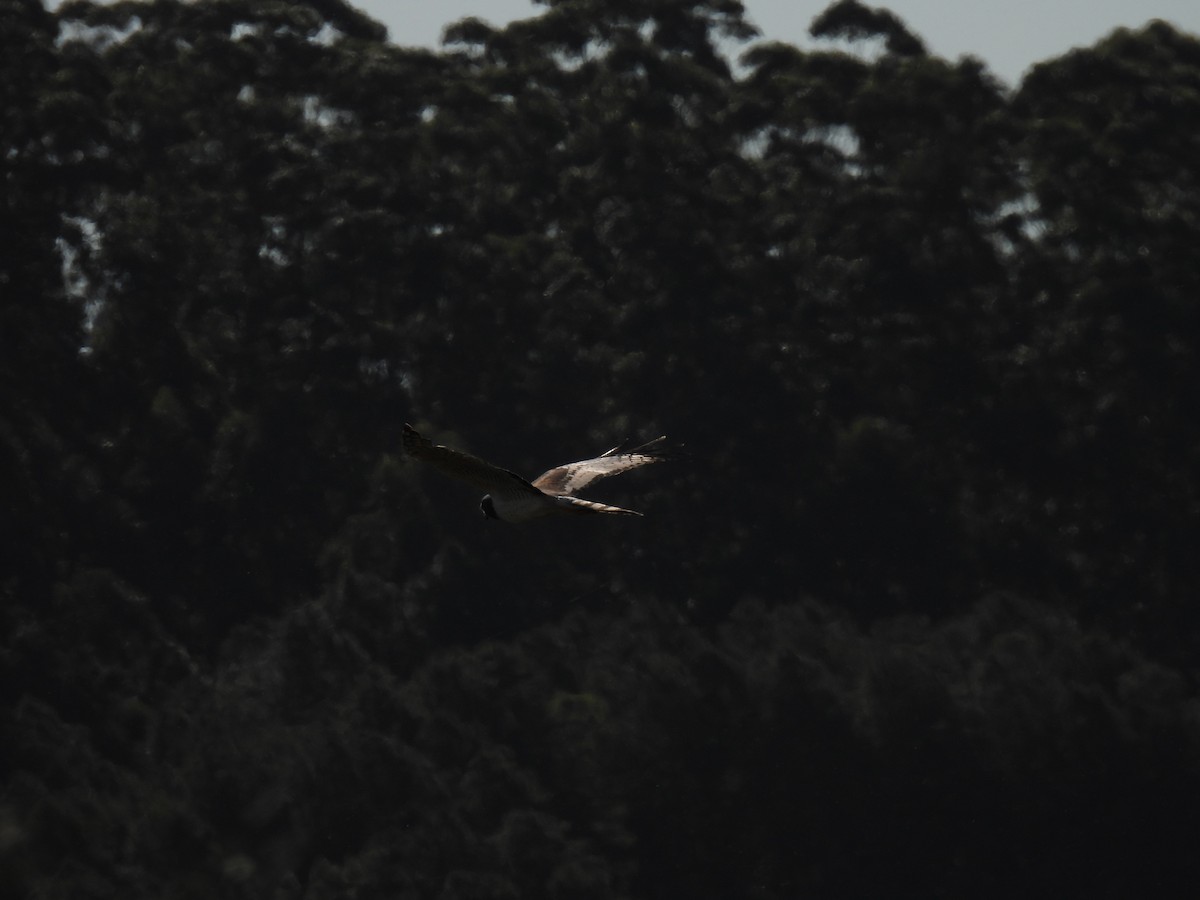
[657, 448]
[577, 505]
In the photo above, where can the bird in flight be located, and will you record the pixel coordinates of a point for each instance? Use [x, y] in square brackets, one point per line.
[511, 498]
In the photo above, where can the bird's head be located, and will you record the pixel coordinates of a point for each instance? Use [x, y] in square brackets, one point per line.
[488, 508]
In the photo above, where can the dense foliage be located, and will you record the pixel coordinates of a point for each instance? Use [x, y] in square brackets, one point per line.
[915, 618]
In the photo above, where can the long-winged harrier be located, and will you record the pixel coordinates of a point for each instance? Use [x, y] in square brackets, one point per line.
[513, 499]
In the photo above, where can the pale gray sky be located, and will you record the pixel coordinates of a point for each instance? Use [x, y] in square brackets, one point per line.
[1008, 35]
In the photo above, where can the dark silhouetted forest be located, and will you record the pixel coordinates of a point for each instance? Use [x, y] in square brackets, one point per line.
[917, 617]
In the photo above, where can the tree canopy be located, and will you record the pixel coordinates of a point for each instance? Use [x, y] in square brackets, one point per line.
[914, 615]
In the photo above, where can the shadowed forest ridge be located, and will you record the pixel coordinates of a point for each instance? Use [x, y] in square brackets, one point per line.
[917, 616]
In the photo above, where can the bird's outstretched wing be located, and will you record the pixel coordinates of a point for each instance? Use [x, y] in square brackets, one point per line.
[464, 466]
[566, 480]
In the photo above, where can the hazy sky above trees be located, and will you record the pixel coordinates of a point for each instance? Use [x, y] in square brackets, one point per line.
[1008, 35]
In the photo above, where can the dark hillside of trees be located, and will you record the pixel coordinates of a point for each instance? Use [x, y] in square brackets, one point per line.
[915, 617]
